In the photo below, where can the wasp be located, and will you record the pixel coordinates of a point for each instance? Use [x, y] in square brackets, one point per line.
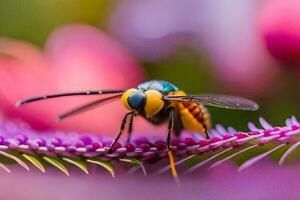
[159, 101]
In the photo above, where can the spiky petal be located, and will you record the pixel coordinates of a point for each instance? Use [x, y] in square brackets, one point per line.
[59, 148]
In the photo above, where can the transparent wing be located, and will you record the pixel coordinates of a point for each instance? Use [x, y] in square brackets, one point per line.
[88, 106]
[221, 101]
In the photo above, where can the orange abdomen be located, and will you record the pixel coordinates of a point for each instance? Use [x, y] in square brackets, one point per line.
[194, 117]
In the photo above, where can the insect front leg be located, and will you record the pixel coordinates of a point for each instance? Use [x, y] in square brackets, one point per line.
[121, 130]
[130, 127]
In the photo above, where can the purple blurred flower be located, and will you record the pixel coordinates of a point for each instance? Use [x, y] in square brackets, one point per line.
[264, 181]
[153, 30]
[18, 137]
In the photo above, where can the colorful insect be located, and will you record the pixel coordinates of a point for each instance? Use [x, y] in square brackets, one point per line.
[159, 101]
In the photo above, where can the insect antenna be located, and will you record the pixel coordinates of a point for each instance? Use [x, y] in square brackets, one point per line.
[93, 92]
[87, 107]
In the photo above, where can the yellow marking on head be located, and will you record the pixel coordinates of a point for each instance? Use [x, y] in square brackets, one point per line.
[154, 102]
[125, 96]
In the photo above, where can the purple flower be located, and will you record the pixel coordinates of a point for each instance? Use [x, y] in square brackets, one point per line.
[21, 143]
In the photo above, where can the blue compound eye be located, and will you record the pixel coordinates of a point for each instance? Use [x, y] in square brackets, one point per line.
[136, 99]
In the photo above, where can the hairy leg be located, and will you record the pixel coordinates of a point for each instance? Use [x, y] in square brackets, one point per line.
[130, 127]
[121, 129]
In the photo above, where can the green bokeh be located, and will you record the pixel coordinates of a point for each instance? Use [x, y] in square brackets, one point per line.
[33, 20]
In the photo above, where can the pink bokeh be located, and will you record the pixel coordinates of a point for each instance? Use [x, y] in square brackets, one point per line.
[76, 57]
[280, 29]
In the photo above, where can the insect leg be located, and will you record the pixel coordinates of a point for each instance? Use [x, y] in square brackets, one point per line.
[130, 127]
[206, 134]
[177, 123]
[170, 154]
[170, 129]
[121, 129]
[205, 130]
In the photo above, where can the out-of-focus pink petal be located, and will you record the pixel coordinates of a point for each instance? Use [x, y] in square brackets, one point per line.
[76, 58]
[81, 47]
[280, 29]
[84, 58]
[23, 73]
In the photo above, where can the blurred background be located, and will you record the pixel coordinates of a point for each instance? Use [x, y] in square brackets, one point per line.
[249, 48]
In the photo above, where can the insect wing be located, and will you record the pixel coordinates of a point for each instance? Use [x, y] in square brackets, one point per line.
[221, 101]
[225, 101]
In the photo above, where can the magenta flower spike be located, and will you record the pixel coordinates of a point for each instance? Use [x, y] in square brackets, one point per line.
[27, 148]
